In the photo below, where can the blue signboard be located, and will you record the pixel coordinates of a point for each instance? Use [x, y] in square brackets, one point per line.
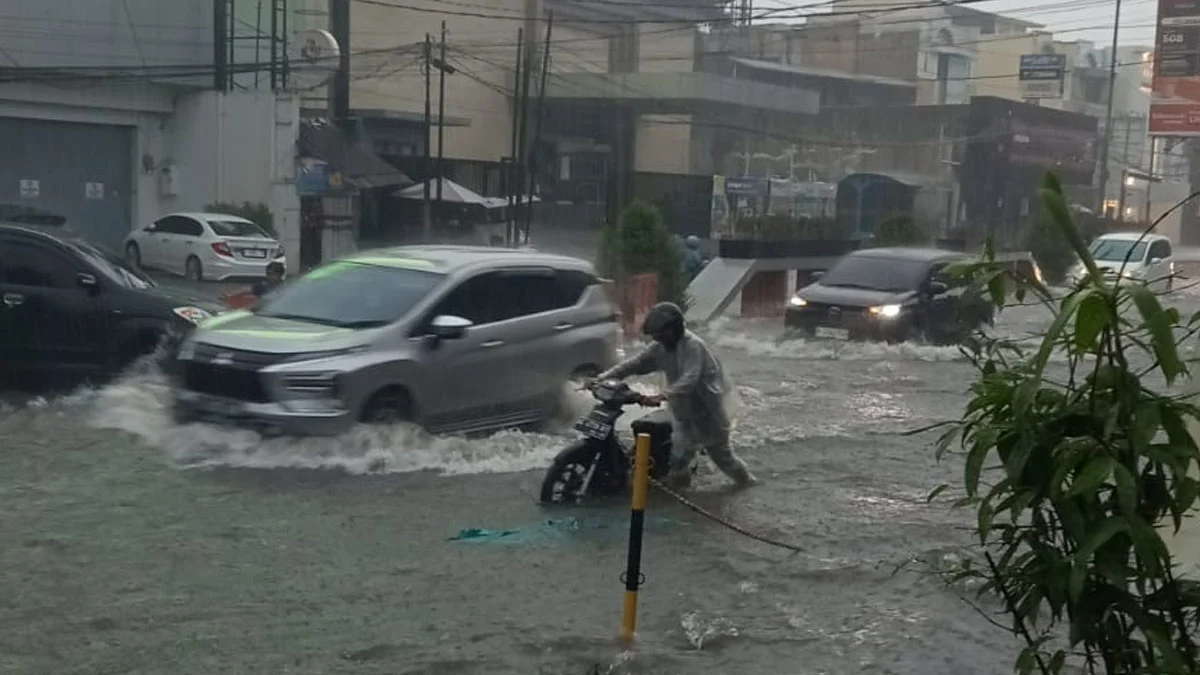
[312, 177]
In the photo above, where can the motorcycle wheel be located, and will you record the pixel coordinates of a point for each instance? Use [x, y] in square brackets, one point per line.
[565, 478]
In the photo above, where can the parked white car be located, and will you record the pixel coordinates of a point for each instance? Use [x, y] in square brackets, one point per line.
[1148, 259]
[200, 246]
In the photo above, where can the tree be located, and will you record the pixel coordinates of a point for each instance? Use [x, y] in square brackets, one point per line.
[259, 214]
[1075, 458]
[1050, 249]
[641, 244]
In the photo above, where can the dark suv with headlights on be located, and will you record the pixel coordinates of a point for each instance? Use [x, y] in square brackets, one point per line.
[889, 294]
[70, 308]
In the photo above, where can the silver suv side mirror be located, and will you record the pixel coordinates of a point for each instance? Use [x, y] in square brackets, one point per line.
[1155, 261]
[448, 327]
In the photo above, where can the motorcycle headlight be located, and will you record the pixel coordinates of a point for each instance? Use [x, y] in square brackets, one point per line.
[886, 311]
[193, 315]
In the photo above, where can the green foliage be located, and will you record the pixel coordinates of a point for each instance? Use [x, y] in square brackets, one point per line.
[781, 227]
[258, 214]
[901, 230]
[1075, 461]
[1051, 250]
[1053, 253]
[641, 244]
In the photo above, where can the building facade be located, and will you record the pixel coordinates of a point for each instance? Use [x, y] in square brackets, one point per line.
[110, 118]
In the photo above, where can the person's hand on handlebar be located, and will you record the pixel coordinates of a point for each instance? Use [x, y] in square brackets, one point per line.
[653, 400]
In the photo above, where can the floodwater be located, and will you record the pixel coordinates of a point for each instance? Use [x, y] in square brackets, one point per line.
[132, 545]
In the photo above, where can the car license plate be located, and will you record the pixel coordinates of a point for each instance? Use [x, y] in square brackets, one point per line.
[591, 427]
[254, 253]
[832, 333]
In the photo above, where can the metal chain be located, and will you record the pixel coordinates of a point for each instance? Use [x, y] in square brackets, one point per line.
[721, 521]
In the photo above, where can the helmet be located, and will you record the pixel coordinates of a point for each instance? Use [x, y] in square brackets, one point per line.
[693, 241]
[665, 317]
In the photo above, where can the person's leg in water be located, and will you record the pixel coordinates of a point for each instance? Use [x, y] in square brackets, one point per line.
[729, 463]
[684, 445]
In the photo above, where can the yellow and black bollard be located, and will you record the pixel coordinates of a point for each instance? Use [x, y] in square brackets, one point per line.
[637, 519]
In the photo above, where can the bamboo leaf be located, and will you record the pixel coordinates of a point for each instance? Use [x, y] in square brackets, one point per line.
[936, 492]
[1092, 318]
[1097, 537]
[1127, 491]
[1162, 337]
[983, 443]
[985, 516]
[1093, 476]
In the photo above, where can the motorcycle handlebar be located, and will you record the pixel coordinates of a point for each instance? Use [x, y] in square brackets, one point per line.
[634, 397]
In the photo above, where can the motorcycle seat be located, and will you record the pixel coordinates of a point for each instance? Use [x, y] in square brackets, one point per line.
[657, 424]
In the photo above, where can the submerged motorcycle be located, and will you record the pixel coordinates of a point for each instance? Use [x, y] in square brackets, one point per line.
[598, 463]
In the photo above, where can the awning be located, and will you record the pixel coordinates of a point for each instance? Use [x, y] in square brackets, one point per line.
[359, 167]
[452, 193]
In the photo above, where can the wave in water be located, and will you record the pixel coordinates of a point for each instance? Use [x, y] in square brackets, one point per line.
[138, 404]
[757, 345]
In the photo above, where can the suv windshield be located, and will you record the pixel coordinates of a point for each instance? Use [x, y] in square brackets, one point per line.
[876, 273]
[236, 228]
[112, 266]
[1118, 250]
[351, 295]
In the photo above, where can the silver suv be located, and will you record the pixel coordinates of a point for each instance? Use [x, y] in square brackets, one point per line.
[457, 339]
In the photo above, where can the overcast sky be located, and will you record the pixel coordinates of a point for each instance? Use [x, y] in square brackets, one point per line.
[1085, 19]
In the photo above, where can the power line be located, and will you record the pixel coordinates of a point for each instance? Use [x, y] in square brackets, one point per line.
[774, 13]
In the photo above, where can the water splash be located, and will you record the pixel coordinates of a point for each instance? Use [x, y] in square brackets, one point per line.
[700, 629]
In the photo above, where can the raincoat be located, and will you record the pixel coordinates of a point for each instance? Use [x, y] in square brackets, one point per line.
[698, 394]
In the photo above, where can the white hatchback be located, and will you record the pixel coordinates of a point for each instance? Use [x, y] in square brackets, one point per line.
[202, 246]
[1147, 259]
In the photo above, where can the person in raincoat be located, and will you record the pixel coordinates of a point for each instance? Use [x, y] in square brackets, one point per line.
[693, 257]
[276, 273]
[696, 394]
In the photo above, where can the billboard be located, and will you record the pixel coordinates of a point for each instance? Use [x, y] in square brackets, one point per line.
[1175, 97]
[1041, 75]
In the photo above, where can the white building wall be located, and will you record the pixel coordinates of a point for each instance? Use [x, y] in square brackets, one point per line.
[235, 147]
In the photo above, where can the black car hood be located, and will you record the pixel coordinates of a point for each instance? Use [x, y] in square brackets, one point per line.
[853, 297]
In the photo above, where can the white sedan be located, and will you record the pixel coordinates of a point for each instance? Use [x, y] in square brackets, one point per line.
[204, 246]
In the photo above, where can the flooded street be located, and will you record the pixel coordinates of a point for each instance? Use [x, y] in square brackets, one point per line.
[138, 546]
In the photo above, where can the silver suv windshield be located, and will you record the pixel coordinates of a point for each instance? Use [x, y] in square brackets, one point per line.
[351, 295]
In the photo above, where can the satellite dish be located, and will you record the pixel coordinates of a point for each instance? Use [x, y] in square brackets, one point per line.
[313, 58]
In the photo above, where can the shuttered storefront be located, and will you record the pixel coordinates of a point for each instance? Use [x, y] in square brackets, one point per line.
[81, 171]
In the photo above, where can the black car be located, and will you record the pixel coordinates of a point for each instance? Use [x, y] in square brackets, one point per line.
[889, 294]
[70, 308]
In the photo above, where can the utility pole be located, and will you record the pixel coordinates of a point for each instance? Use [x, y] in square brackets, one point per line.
[1124, 191]
[510, 182]
[1150, 182]
[339, 23]
[257, 43]
[522, 130]
[220, 46]
[1108, 115]
[426, 216]
[537, 129]
[441, 171]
